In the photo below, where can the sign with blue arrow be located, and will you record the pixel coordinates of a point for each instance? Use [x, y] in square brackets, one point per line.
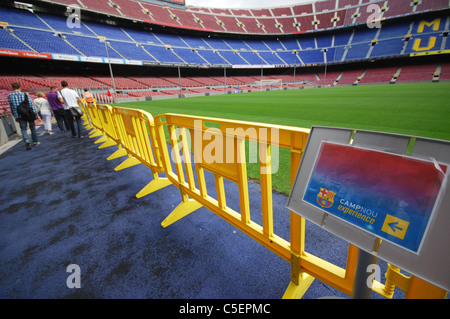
[391, 196]
[385, 193]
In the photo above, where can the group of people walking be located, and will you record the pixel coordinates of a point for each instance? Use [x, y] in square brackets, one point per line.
[62, 104]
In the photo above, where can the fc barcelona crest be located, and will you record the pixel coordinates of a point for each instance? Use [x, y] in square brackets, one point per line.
[325, 198]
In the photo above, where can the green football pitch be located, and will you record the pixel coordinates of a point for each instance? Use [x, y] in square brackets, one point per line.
[416, 109]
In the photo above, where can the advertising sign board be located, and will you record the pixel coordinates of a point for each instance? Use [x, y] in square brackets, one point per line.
[385, 193]
[389, 195]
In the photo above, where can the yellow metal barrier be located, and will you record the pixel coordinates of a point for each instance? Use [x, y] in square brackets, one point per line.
[108, 126]
[230, 163]
[414, 287]
[136, 133]
[86, 120]
[94, 119]
[102, 124]
[200, 144]
[133, 133]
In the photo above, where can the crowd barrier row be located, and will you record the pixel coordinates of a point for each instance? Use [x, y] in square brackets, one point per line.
[185, 148]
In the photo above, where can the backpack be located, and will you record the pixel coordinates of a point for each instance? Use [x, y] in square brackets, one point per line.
[25, 111]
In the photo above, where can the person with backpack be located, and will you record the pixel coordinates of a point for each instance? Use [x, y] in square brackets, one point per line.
[25, 112]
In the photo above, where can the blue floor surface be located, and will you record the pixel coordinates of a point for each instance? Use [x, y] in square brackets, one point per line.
[62, 203]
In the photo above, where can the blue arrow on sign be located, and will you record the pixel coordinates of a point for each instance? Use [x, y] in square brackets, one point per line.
[394, 226]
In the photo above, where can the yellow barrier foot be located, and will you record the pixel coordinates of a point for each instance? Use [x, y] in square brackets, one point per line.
[109, 142]
[95, 134]
[296, 291]
[102, 139]
[131, 161]
[182, 210]
[153, 186]
[119, 153]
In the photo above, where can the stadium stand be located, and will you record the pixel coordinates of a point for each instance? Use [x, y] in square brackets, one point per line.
[349, 77]
[130, 44]
[445, 72]
[379, 75]
[143, 33]
[414, 73]
[299, 18]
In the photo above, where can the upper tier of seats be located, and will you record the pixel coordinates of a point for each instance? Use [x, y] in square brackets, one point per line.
[316, 15]
[44, 33]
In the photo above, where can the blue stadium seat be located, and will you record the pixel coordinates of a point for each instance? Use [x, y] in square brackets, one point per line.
[341, 39]
[428, 25]
[339, 53]
[131, 51]
[189, 56]
[142, 36]
[162, 54]
[447, 44]
[217, 44]
[7, 41]
[195, 42]
[331, 55]
[232, 57]
[276, 45]
[357, 51]
[324, 41]
[110, 32]
[306, 43]
[60, 24]
[212, 57]
[44, 41]
[257, 45]
[394, 30]
[237, 44]
[389, 47]
[289, 57]
[364, 35]
[252, 58]
[16, 17]
[91, 46]
[426, 42]
[172, 40]
[270, 58]
[312, 56]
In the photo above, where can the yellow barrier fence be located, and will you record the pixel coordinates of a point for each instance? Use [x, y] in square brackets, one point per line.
[226, 158]
[136, 131]
[220, 147]
[133, 133]
[86, 119]
[102, 124]
[94, 123]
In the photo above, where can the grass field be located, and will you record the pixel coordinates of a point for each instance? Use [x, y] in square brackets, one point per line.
[417, 109]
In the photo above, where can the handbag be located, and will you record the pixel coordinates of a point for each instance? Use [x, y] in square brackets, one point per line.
[76, 111]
